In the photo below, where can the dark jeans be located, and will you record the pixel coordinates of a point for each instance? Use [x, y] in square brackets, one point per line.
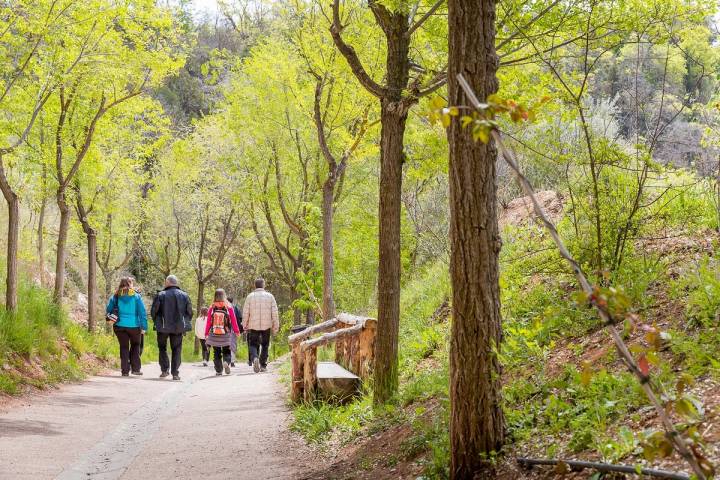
[176, 340]
[259, 345]
[205, 350]
[220, 354]
[129, 339]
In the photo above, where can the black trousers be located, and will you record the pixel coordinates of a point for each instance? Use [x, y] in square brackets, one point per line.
[129, 339]
[176, 341]
[220, 354]
[205, 350]
[259, 345]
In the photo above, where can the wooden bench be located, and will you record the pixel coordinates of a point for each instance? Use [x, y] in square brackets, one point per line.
[354, 339]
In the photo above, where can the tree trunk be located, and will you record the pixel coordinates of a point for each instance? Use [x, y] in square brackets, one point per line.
[200, 302]
[41, 228]
[61, 246]
[92, 278]
[393, 117]
[476, 419]
[13, 241]
[391, 148]
[328, 249]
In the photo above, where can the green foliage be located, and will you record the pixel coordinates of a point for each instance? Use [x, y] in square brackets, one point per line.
[700, 285]
[40, 331]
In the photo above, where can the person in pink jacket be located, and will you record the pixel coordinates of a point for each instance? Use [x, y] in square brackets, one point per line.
[221, 321]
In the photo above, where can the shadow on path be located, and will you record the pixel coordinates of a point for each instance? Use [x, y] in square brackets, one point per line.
[22, 428]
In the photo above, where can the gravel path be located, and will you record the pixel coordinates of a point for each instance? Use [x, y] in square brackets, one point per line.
[111, 427]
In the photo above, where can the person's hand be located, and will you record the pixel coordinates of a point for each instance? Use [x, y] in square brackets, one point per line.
[142, 332]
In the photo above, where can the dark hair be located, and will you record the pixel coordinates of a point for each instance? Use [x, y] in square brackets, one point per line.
[203, 310]
[124, 286]
[231, 300]
[260, 283]
[220, 295]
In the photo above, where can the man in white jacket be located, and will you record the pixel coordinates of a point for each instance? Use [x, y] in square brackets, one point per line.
[260, 316]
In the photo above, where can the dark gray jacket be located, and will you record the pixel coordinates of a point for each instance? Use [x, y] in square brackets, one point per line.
[172, 311]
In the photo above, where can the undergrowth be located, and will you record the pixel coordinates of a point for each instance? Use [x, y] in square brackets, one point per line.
[40, 346]
[552, 409]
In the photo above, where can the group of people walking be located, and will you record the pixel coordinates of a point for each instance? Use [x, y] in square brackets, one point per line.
[218, 327]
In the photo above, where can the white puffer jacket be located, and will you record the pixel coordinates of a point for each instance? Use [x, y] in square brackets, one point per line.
[260, 311]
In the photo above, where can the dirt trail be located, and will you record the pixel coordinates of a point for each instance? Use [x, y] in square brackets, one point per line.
[111, 427]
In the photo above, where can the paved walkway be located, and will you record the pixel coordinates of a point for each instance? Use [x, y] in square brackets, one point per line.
[113, 427]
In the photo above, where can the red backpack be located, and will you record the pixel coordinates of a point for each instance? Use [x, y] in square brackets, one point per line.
[220, 321]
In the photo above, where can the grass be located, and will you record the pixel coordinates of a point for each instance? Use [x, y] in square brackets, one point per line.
[40, 346]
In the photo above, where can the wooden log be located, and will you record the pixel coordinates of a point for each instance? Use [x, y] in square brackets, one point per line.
[339, 346]
[332, 336]
[298, 373]
[336, 383]
[312, 330]
[366, 349]
[348, 319]
[310, 374]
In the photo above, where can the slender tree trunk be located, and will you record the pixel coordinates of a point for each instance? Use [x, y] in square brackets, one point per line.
[92, 278]
[13, 241]
[108, 276]
[476, 419]
[386, 353]
[61, 245]
[200, 302]
[41, 227]
[328, 249]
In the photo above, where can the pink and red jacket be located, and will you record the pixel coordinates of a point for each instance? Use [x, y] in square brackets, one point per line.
[231, 313]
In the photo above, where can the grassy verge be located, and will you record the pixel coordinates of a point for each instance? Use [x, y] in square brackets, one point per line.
[40, 346]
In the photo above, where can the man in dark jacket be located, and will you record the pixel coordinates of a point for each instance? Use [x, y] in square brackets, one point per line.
[171, 313]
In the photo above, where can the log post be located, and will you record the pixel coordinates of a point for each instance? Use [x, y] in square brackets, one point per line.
[310, 374]
[296, 391]
[366, 349]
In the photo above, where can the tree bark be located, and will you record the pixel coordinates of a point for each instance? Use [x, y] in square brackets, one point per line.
[477, 425]
[61, 245]
[200, 303]
[92, 279]
[13, 203]
[391, 148]
[41, 227]
[328, 248]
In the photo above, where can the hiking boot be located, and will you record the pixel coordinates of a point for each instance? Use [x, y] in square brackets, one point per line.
[164, 374]
[125, 374]
[218, 374]
[204, 364]
[232, 364]
[256, 365]
[137, 373]
[176, 377]
[227, 368]
[263, 369]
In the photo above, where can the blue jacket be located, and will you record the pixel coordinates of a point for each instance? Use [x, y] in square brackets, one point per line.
[131, 311]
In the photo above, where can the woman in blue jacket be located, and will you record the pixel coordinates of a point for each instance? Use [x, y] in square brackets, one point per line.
[131, 323]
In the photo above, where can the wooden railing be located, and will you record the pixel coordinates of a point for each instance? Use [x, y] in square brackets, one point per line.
[354, 339]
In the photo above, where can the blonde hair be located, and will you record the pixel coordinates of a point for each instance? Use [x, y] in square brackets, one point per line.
[124, 287]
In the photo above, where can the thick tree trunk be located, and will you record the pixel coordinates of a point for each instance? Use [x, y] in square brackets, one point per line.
[391, 146]
[92, 278]
[61, 246]
[476, 419]
[13, 241]
[393, 117]
[328, 249]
